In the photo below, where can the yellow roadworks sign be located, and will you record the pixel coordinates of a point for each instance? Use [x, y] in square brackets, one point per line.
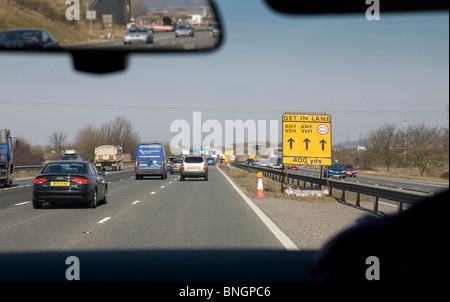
[307, 138]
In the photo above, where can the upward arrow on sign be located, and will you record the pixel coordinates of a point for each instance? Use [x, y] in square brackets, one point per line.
[323, 142]
[306, 141]
[290, 142]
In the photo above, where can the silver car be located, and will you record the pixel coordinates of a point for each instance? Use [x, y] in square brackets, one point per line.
[215, 30]
[194, 166]
[138, 34]
[184, 30]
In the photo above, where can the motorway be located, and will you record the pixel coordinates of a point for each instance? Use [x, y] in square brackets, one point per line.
[179, 226]
[203, 40]
[140, 214]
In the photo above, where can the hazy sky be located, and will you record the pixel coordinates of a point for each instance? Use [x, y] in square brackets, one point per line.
[362, 73]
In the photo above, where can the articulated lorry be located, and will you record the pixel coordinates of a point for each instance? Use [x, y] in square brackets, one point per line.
[109, 157]
[8, 145]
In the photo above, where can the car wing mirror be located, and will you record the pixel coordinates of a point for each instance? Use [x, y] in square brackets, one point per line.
[95, 32]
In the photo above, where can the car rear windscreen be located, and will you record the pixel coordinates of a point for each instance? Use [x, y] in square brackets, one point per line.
[193, 160]
[64, 168]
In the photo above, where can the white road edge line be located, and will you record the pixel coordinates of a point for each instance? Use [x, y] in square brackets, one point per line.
[388, 204]
[21, 203]
[285, 241]
[104, 220]
[135, 202]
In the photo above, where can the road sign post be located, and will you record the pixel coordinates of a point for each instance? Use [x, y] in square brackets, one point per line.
[108, 24]
[91, 15]
[307, 138]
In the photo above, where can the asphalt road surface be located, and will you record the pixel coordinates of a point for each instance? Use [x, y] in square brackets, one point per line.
[202, 40]
[385, 181]
[181, 230]
[140, 214]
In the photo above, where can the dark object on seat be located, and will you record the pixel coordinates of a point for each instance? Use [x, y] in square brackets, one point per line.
[411, 246]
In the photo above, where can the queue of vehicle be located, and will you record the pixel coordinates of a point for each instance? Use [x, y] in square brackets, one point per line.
[71, 179]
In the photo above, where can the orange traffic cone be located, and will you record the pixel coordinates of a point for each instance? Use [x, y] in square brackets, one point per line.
[259, 188]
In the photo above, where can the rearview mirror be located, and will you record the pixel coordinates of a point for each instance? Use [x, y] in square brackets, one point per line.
[103, 32]
[123, 25]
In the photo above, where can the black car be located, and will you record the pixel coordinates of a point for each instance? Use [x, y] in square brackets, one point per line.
[69, 181]
[28, 39]
[250, 161]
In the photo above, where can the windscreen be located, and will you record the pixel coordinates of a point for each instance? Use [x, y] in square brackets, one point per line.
[64, 168]
[69, 157]
[193, 160]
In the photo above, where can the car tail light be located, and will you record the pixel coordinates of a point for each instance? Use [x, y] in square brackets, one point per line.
[81, 181]
[205, 166]
[40, 180]
[182, 167]
[172, 165]
[135, 164]
[162, 164]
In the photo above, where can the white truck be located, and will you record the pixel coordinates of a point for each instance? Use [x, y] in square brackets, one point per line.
[195, 19]
[109, 157]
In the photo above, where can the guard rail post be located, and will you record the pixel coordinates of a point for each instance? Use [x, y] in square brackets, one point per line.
[375, 205]
[358, 204]
[399, 207]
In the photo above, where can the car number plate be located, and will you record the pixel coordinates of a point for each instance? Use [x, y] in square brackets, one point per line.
[193, 169]
[60, 183]
[143, 165]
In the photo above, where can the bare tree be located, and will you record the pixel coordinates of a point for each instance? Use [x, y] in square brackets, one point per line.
[86, 140]
[58, 143]
[28, 154]
[120, 132]
[139, 8]
[382, 143]
[424, 141]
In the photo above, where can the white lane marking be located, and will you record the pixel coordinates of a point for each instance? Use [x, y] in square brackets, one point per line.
[388, 204]
[162, 187]
[285, 241]
[135, 202]
[104, 220]
[152, 193]
[21, 203]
